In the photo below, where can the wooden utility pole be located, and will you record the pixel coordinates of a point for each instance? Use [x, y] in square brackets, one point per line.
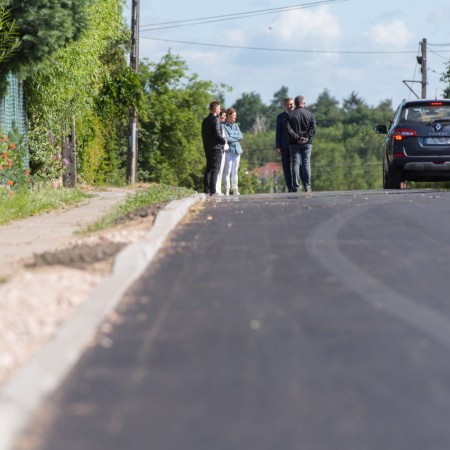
[423, 48]
[69, 156]
[132, 152]
[422, 61]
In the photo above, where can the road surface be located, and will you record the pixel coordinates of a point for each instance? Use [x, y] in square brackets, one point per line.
[283, 322]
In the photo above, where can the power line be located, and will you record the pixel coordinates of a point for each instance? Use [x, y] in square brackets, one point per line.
[437, 54]
[355, 52]
[234, 16]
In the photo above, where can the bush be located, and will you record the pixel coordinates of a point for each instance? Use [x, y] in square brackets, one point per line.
[14, 173]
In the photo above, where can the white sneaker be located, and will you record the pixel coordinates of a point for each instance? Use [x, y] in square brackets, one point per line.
[236, 192]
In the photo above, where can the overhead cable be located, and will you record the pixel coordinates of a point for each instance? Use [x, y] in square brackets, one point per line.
[234, 16]
[357, 52]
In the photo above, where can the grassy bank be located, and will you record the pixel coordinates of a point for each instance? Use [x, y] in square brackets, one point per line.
[153, 194]
[28, 203]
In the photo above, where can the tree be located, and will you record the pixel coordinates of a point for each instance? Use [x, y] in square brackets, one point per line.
[44, 26]
[279, 96]
[77, 82]
[446, 78]
[170, 146]
[9, 40]
[326, 110]
[249, 108]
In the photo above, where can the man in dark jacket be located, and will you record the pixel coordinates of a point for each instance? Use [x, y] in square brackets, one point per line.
[282, 142]
[301, 127]
[213, 142]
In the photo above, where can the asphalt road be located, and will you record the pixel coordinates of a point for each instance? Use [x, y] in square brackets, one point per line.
[284, 322]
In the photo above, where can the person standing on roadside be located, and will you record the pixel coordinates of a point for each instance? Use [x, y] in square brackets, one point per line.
[301, 127]
[222, 117]
[213, 143]
[282, 142]
[233, 155]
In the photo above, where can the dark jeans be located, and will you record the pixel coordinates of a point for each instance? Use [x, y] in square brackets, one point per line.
[213, 160]
[301, 168]
[286, 162]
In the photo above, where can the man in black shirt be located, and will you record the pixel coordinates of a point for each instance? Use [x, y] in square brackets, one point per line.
[213, 142]
[301, 127]
[282, 141]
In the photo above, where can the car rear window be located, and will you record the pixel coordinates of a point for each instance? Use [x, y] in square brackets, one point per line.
[425, 113]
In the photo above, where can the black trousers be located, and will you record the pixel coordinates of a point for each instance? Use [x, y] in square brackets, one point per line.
[286, 162]
[213, 160]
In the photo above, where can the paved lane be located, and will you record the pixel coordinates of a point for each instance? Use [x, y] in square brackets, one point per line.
[275, 322]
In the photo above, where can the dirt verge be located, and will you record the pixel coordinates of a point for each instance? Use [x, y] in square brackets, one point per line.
[45, 290]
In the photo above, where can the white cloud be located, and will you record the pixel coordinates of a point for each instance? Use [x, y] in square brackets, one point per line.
[234, 37]
[204, 58]
[303, 25]
[394, 34]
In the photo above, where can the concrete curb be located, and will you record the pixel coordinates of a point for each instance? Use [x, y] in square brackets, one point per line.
[47, 369]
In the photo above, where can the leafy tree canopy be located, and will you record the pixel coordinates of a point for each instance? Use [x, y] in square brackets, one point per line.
[279, 96]
[249, 107]
[44, 26]
[9, 37]
[326, 109]
[175, 101]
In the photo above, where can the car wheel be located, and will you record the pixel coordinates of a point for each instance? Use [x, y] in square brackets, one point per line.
[391, 176]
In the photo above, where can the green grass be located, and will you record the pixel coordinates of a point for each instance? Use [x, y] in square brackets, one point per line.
[28, 203]
[154, 194]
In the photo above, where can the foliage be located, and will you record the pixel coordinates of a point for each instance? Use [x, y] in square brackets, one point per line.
[14, 173]
[45, 158]
[279, 96]
[26, 202]
[170, 146]
[9, 40]
[251, 110]
[154, 194]
[121, 90]
[446, 78]
[346, 152]
[326, 110]
[259, 148]
[68, 85]
[45, 26]
[87, 79]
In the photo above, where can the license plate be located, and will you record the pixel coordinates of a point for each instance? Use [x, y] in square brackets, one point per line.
[437, 141]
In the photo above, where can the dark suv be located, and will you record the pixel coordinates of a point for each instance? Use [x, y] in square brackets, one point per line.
[417, 144]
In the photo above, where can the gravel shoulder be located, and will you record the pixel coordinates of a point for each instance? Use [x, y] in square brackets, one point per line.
[40, 289]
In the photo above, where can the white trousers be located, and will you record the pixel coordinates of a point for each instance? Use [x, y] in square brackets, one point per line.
[231, 167]
[219, 176]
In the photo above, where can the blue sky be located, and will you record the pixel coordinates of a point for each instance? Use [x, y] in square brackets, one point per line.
[336, 27]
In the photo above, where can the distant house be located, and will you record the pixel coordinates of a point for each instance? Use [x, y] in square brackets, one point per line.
[268, 176]
[12, 107]
[267, 170]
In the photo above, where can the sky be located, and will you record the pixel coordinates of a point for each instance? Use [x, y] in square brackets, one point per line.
[318, 45]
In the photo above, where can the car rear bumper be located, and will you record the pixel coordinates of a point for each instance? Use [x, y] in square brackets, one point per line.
[427, 167]
[424, 171]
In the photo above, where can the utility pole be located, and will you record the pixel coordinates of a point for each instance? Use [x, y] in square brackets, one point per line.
[133, 121]
[422, 61]
[423, 48]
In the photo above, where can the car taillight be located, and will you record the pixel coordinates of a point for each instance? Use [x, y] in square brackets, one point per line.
[403, 133]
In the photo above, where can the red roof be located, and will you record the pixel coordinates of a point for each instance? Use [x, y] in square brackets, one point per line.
[267, 169]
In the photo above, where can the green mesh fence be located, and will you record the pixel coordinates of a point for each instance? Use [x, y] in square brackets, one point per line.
[12, 107]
